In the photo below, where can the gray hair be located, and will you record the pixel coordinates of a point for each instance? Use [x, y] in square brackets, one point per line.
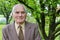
[18, 5]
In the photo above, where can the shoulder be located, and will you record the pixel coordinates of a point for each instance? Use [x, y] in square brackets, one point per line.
[35, 25]
[6, 27]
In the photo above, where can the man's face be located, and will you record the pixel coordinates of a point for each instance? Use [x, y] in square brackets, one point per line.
[19, 14]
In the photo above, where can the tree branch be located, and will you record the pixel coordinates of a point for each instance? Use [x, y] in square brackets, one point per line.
[58, 29]
[3, 13]
[57, 35]
[57, 23]
[25, 4]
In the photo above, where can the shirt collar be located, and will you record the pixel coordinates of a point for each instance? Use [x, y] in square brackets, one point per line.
[16, 25]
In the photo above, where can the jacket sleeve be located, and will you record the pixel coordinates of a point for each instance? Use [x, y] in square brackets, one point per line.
[37, 35]
[4, 34]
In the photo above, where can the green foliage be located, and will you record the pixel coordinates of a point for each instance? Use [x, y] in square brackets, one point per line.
[41, 9]
[6, 7]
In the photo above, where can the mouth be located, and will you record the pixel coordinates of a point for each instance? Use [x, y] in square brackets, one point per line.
[20, 18]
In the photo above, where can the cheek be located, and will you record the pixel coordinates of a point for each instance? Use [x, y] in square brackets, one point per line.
[14, 16]
[24, 16]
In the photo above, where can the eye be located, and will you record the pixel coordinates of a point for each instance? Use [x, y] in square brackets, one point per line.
[17, 12]
[22, 12]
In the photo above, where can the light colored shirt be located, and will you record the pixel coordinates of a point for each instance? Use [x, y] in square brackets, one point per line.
[17, 28]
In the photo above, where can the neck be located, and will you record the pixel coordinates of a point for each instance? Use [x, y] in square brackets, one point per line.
[20, 23]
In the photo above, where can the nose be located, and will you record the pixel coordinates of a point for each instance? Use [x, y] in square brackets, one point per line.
[20, 14]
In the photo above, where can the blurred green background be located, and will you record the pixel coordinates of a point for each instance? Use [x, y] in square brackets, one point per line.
[34, 9]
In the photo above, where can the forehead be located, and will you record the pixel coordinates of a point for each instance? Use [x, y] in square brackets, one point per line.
[19, 8]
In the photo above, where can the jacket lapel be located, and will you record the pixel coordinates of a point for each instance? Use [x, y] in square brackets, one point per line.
[27, 31]
[13, 32]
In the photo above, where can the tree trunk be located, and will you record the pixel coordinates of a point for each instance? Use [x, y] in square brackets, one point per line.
[50, 38]
[7, 19]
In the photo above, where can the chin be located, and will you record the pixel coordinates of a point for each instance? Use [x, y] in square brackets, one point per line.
[20, 21]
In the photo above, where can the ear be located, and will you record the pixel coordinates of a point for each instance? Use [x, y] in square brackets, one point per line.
[26, 14]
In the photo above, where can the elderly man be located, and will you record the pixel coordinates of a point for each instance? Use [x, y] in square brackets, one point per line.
[20, 29]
